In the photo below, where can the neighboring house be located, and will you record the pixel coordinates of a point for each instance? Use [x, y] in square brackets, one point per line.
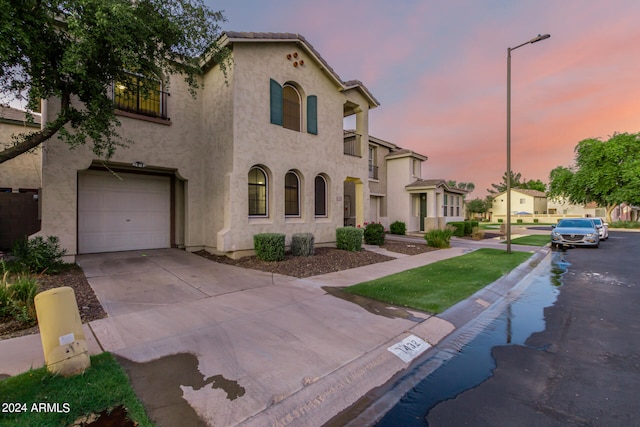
[523, 202]
[23, 173]
[20, 181]
[260, 150]
[561, 207]
[397, 191]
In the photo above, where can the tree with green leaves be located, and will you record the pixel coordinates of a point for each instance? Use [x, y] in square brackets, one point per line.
[70, 52]
[517, 182]
[605, 172]
[478, 205]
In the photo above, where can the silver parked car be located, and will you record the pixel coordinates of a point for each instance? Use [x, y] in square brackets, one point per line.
[575, 232]
[603, 228]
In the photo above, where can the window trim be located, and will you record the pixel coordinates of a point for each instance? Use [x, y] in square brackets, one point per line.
[326, 197]
[266, 193]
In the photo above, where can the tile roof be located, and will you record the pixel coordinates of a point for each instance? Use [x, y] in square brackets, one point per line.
[238, 36]
[14, 115]
[435, 183]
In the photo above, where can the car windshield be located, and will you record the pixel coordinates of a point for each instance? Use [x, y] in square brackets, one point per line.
[575, 223]
[597, 221]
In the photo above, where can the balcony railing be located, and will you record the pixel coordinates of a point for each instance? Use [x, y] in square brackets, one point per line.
[373, 172]
[352, 146]
[133, 99]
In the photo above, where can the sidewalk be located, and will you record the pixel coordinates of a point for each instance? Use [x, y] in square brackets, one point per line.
[295, 354]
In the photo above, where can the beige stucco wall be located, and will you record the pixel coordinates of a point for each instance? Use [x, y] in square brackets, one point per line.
[531, 204]
[211, 144]
[174, 148]
[23, 171]
[400, 205]
[255, 141]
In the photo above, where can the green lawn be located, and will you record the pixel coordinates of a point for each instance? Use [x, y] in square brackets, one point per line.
[435, 287]
[532, 240]
[103, 386]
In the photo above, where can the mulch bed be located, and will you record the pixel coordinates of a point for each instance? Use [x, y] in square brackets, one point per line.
[88, 305]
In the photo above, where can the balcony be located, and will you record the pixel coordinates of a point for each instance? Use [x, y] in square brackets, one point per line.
[373, 172]
[352, 146]
[130, 97]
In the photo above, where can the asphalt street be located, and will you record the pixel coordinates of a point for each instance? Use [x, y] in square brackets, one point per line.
[584, 369]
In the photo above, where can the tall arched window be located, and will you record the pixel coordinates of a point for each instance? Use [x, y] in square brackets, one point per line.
[257, 192]
[290, 108]
[291, 194]
[320, 196]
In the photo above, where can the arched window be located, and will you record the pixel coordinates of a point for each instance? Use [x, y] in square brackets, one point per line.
[257, 192]
[290, 108]
[320, 196]
[291, 194]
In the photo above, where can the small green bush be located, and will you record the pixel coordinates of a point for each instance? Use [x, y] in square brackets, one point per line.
[269, 246]
[398, 227]
[499, 219]
[16, 298]
[302, 244]
[468, 228]
[474, 224]
[625, 224]
[519, 221]
[374, 234]
[535, 220]
[40, 255]
[458, 228]
[349, 238]
[440, 239]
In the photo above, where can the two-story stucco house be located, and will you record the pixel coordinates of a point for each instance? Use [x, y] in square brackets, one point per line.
[397, 191]
[23, 173]
[523, 201]
[260, 150]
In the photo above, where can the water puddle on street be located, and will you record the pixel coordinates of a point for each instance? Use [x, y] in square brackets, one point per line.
[464, 360]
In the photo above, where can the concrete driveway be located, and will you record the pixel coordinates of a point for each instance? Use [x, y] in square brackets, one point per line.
[220, 345]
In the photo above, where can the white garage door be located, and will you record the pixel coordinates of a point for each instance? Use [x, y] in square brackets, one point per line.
[124, 214]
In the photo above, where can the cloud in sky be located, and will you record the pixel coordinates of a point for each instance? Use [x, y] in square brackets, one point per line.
[439, 71]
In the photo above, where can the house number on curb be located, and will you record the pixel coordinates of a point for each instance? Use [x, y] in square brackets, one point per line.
[409, 348]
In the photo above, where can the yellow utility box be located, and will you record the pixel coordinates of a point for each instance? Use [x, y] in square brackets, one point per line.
[63, 342]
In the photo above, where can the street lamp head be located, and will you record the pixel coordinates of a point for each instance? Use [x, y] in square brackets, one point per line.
[539, 38]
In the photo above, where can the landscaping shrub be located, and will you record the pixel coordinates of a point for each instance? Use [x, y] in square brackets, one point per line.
[624, 224]
[474, 223]
[468, 228]
[269, 246]
[398, 227]
[499, 219]
[439, 238]
[302, 244]
[16, 298]
[519, 221]
[535, 220]
[39, 255]
[374, 234]
[349, 238]
[458, 228]
[477, 233]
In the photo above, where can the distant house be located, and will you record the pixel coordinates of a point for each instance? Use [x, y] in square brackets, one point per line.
[523, 202]
[23, 173]
[397, 191]
[565, 208]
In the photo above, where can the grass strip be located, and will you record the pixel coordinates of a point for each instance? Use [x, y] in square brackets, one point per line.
[532, 240]
[103, 386]
[435, 287]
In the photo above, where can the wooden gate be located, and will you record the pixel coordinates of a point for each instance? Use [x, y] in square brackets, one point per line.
[18, 217]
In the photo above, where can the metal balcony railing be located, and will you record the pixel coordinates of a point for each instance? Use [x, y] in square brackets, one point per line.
[133, 99]
[373, 172]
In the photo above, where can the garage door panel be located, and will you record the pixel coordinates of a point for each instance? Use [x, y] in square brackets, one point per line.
[130, 213]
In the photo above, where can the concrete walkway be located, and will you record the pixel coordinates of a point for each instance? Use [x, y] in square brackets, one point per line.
[264, 349]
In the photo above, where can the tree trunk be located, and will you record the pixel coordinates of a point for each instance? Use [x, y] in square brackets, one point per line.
[610, 209]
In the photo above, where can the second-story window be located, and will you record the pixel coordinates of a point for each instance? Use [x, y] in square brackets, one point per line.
[286, 108]
[373, 167]
[136, 94]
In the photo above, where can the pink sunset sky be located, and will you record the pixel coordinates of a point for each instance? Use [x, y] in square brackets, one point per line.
[439, 70]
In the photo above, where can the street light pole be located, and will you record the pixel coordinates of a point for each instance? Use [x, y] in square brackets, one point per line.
[509, 49]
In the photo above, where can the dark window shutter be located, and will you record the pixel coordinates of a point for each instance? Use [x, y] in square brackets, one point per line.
[276, 103]
[312, 114]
